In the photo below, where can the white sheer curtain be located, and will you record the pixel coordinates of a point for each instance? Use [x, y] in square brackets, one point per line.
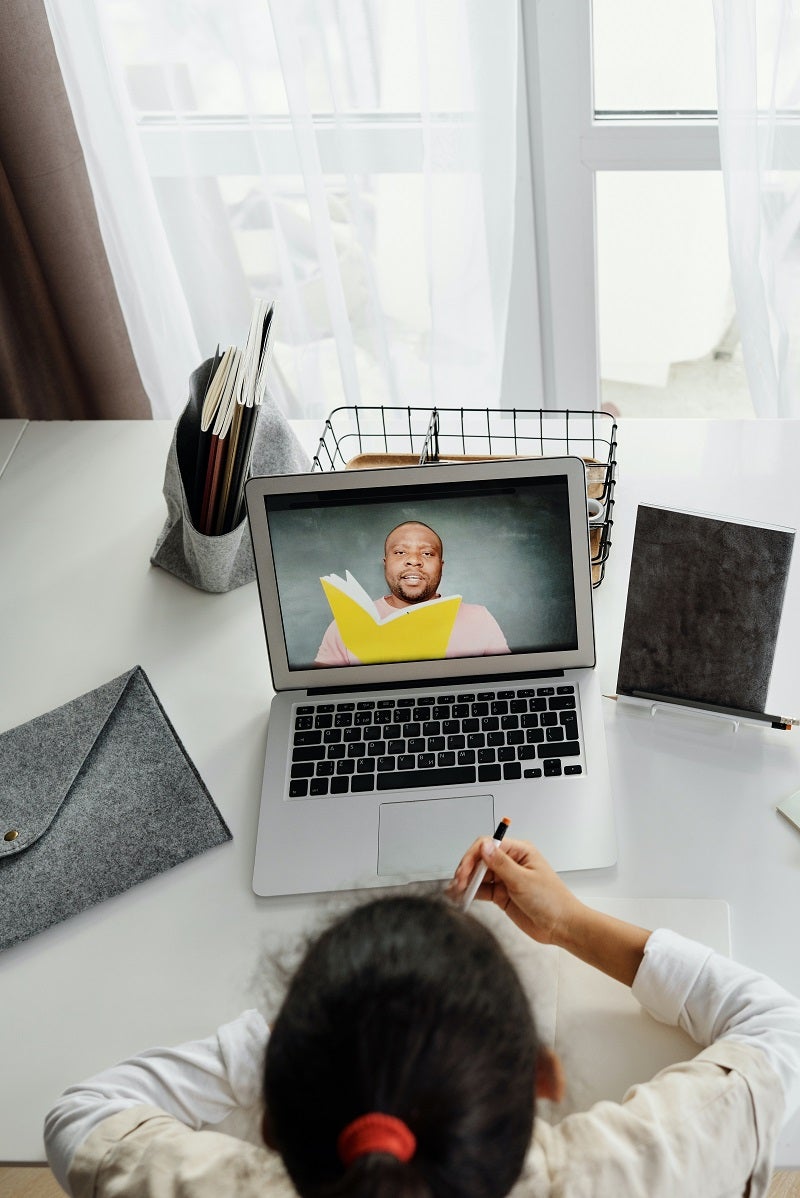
[354, 160]
[758, 76]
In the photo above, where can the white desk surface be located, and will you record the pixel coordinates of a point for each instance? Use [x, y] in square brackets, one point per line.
[80, 509]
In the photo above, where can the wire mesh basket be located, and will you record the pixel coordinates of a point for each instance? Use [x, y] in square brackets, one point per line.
[368, 437]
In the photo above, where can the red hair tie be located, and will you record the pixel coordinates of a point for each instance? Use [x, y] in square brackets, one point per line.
[376, 1132]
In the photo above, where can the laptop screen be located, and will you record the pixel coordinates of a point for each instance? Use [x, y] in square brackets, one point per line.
[449, 574]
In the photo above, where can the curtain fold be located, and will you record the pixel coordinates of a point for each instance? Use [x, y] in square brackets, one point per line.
[355, 162]
[64, 347]
[758, 82]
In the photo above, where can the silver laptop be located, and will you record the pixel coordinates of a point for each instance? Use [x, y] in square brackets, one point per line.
[431, 643]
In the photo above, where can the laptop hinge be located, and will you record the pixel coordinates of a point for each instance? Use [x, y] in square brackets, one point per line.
[425, 683]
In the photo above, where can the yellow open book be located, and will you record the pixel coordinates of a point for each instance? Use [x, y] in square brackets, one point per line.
[416, 633]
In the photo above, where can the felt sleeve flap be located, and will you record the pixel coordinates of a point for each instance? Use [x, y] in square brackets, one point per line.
[40, 761]
[95, 797]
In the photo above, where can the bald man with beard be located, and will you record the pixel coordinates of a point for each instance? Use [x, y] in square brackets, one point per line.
[413, 560]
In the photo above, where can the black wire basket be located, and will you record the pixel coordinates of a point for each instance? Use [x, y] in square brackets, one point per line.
[362, 436]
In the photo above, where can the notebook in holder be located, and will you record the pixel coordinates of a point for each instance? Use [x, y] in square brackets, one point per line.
[95, 797]
[705, 596]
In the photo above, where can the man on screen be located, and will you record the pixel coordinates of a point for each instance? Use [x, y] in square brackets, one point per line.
[412, 564]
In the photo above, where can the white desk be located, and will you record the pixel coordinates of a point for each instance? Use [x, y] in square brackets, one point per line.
[80, 509]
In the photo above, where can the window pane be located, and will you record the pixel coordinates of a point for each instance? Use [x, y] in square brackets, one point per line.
[653, 57]
[668, 341]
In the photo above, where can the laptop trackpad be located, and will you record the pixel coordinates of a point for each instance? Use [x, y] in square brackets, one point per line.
[430, 836]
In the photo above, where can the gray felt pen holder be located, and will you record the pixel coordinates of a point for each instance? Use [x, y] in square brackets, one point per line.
[224, 562]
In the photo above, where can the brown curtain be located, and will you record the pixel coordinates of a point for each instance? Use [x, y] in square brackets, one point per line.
[64, 349]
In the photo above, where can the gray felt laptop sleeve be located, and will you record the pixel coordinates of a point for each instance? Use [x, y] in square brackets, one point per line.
[95, 797]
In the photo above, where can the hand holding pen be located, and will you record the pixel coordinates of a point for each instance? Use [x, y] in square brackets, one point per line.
[517, 878]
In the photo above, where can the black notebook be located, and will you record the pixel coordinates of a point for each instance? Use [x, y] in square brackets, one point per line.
[704, 606]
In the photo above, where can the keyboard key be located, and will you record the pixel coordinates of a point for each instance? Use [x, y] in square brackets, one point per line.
[479, 709]
[456, 742]
[573, 769]
[490, 723]
[561, 703]
[460, 710]
[486, 696]
[529, 721]
[358, 749]
[362, 782]
[532, 773]
[385, 702]
[569, 748]
[486, 755]
[387, 764]
[304, 769]
[526, 752]
[323, 721]
[396, 746]
[376, 748]
[451, 727]
[464, 698]
[416, 744]
[383, 716]
[393, 731]
[426, 761]
[304, 710]
[345, 766]
[526, 693]
[308, 738]
[351, 735]
[495, 738]
[431, 728]
[537, 704]
[505, 694]
[405, 763]
[548, 718]
[318, 786]
[489, 773]
[336, 751]
[534, 736]
[426, 701]
[298, 788]
[476, 740]
[512, 770]
[365, 705]
[509, 721]
[499, 707]
[447, 698]
[435, 743]
[421, 713]
[314, 753]
[545, 690]
[324, 769]
[441, 712]
[412, 729]
[343, 719]
[556, 733]
[552, 769]
[470, 725]
[345, 706]
[325, 707]
[445, 759]
[565, 690]
[466, 757]
[456, 775]
[506, 753]
[339, 786]
[515, 737]
[332, 736]
[363, 719]
[303, 722]
[518, 705]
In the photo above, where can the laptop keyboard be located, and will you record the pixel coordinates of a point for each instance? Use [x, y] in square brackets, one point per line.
[343, 747]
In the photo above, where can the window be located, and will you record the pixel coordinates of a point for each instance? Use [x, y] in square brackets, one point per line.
[631, 231]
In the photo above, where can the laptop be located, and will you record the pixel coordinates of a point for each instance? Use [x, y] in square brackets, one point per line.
[431, 643]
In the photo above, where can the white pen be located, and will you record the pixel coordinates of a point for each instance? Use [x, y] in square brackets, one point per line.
[481, 867]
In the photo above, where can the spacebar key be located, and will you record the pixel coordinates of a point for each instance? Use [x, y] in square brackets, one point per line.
[454, 775]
